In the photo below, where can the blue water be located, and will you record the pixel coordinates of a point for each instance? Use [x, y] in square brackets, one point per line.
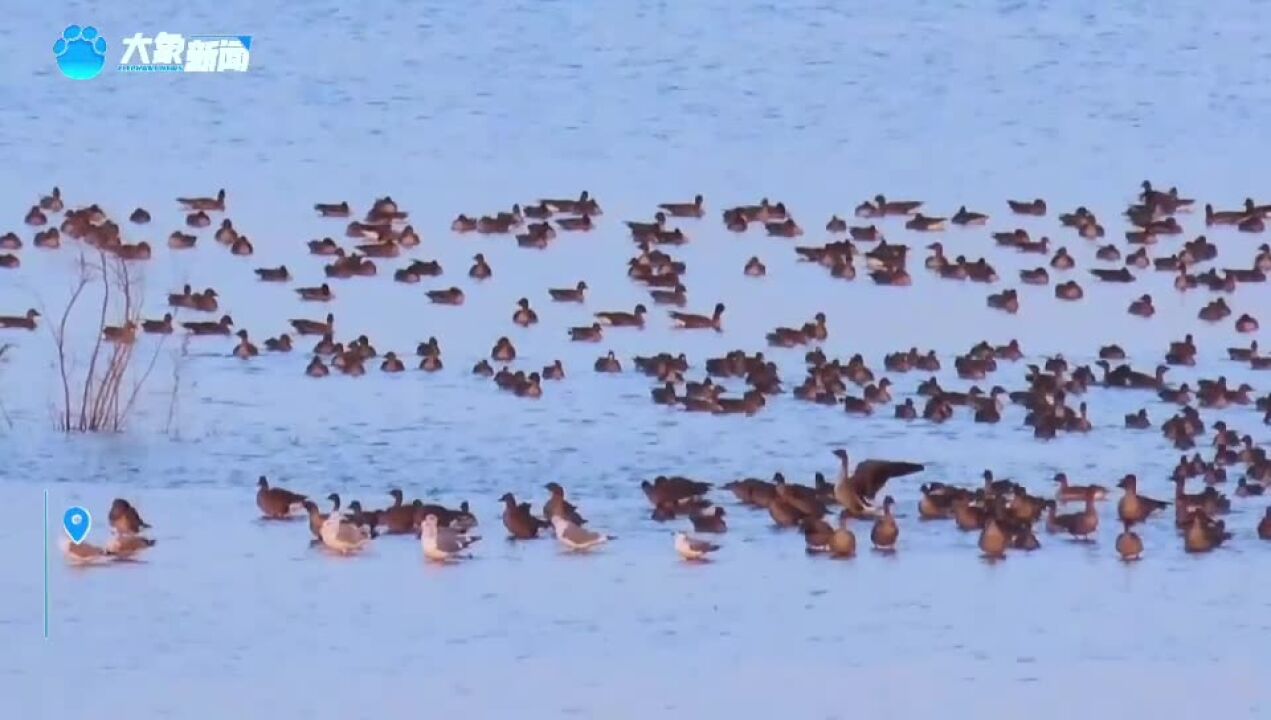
[470, 107]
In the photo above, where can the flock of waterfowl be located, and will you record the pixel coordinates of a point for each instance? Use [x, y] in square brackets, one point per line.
[1004, 512]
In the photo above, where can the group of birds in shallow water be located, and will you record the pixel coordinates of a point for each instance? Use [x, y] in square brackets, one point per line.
[383, 234]
[1003, 512]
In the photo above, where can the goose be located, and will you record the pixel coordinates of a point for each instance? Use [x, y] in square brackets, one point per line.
[1077, 493]
[242, 246]
[1028, 207]
[924, 223]
[557, 505]
[584, 203]
[278, 274]
[521, 524]
[885, 531]
[204, 203]
[127, 546]
[581, 223]
[220, 327]
[450, 296]
[317, 368]
[244, 349]
[321, 293]
[314, 327]
[1081, 524]
[691, 321]
[868, 478]
[124, 519]
[842, 542]
[480, 269]
[635, 318]
[712, 522]
[575, 294]
[282, 343]
[333, 210]
[555, 371]
[317, 517]
[993, 540]
[1129, 544]
[967, 217]
[53, 201]
[896, 207]
[524, 315]
[1203, 533]
[1135, 508]
[325, 246]
[124, 334]
[693, 209]
[20, 322]
[275, 502]
[592, 333]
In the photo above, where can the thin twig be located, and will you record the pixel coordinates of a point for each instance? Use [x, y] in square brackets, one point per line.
[97, 344]
[59, 340]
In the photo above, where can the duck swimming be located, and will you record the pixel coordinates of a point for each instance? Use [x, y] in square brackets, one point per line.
[575, 294]
[690, 321]
[966, 217]
[524, 315]
[449, 296]
[220, 327]
[693, 209]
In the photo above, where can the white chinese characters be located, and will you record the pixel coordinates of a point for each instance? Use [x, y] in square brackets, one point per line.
[172, 52]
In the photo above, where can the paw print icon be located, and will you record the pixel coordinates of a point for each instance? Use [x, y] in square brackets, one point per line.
[80, 52]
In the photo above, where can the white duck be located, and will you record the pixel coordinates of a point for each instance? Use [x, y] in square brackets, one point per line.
[341, 536]
[693, 549]
[575, 537]
[83, 553]
[442, 543]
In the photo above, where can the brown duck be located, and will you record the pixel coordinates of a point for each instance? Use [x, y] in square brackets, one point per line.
[124, 518]
[220, 327]
[868, 478]
[448, 296]
[712, 522]
[557, 505]
[1081, 524]
[575, 294]
[521, 524]
[1133, 507]
[1129, 544]
[314, 327]
[1204, 533]
[691, 321]
[275, 502]
[885, 532]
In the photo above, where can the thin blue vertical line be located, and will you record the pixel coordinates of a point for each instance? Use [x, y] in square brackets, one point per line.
[46, 564]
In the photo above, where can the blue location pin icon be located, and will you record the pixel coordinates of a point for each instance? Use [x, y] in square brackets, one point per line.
[76, 522]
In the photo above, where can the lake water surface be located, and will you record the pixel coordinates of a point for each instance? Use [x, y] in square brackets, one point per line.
[469, 107]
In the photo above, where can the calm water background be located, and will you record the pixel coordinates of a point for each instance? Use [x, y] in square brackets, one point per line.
[469, 107]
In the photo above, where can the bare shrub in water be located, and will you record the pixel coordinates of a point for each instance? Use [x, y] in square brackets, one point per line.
[102, 398]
